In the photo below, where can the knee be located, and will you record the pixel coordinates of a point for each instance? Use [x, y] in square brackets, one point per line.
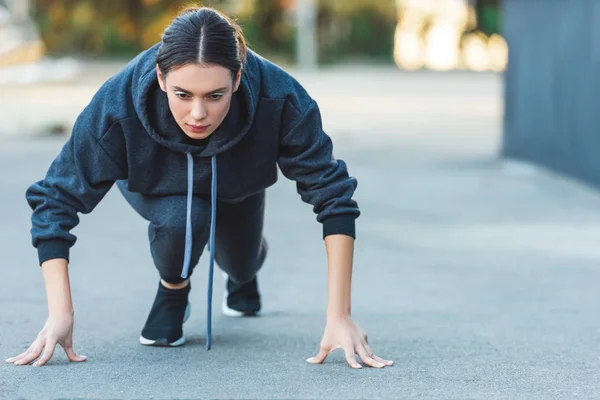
[244, 270]
[171, 225]
[174, 232]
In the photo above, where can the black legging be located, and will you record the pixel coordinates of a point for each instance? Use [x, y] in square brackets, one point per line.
[240, 248]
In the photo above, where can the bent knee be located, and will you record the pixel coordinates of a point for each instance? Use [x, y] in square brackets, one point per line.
[173, 222]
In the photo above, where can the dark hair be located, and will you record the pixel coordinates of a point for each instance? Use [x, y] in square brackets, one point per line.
[202, 36]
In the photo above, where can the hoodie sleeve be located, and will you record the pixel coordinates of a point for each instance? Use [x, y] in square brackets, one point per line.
[306, 156]
[78, 178]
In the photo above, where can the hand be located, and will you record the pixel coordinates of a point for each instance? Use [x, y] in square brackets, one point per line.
[345, 334]
[57, 330]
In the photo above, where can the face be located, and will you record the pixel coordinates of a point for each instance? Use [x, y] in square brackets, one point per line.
[199, 96]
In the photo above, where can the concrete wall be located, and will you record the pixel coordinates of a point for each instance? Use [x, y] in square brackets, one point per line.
[552, 97]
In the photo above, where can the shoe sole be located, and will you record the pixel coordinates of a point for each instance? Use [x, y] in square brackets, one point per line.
[230, 312]
[163, 342]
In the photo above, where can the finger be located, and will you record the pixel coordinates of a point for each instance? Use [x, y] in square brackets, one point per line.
[377, 358]
[319, 358]
[31, 348]
[34, 352]
[382, 360]
[350, 357]
[17, 358]
[366, 358]
[71, 355]
[48, 352]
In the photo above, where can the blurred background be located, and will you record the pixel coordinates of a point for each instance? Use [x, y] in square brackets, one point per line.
[409, 59]
[434, 34]
[472, 128]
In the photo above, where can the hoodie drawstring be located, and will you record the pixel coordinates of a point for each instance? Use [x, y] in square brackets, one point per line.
[187, 255]
[211, 243]
[211, 240]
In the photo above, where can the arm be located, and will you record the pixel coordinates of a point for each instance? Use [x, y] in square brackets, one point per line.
[306, 156]
[76, 181]
[58, 328]
[340, 252]
[58, 288]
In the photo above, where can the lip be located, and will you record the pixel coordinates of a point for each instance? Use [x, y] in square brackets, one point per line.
[198, 128]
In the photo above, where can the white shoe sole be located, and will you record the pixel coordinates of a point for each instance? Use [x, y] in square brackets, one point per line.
[230, 312]
[178, 342]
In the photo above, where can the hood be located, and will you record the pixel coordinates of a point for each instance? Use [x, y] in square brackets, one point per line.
[152, 108]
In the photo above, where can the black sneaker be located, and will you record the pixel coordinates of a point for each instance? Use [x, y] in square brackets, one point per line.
[241, 300]
[164, 326]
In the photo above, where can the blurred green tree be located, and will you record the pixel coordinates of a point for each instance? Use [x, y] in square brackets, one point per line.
[356, 29]
[346, 29]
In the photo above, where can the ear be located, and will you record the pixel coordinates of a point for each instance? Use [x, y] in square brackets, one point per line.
[161, 81]
[236, 82]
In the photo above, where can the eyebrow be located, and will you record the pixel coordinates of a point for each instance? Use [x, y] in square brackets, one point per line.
[177, 88]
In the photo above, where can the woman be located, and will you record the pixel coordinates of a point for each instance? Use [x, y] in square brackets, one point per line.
[192, 131]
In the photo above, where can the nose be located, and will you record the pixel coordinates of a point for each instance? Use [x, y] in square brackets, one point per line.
[198, 111]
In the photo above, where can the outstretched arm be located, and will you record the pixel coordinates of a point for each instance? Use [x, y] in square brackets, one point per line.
[75, 183]
[306, 156]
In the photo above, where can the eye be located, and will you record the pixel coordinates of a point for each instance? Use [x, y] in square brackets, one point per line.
[182, 96]
[215, 96]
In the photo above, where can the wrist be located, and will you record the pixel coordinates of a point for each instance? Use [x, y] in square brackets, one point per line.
[61, 307]
[337, 315]
[66, 313]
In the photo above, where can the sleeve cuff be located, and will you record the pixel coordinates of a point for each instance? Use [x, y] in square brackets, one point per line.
[340, 225]
[53, 248]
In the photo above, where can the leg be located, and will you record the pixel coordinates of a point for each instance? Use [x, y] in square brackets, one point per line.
[167, 216]
[166, 230]
[240, 248]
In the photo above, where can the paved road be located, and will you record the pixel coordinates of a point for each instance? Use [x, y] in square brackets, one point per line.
[479, 278]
